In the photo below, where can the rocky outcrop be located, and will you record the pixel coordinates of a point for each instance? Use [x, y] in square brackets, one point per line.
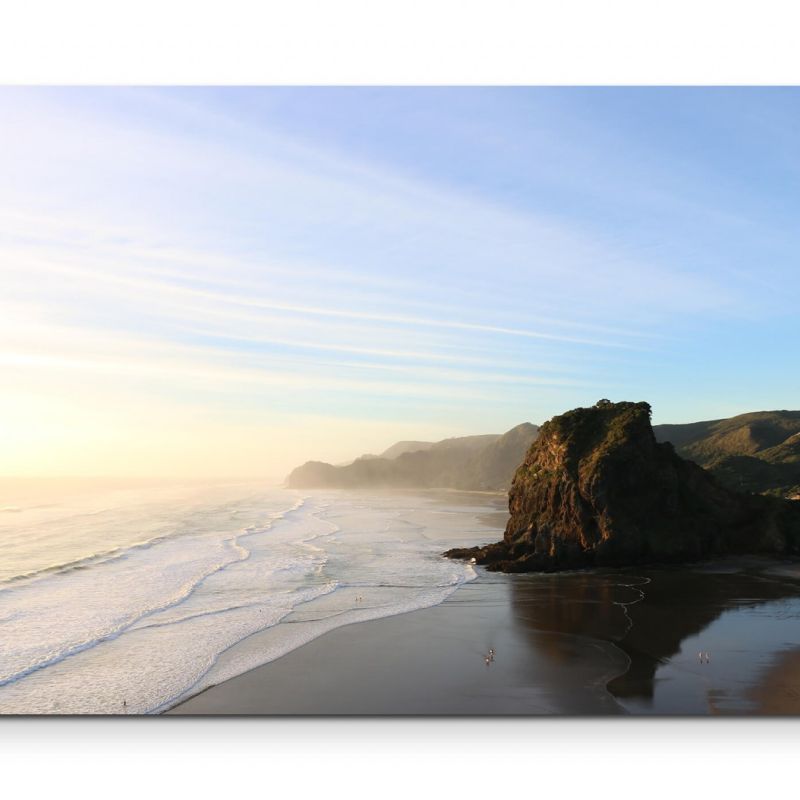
[597, 489]
[471, 463]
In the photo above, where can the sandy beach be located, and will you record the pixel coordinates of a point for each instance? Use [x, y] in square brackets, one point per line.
[572, 644]
[432, 662]
[778, 692]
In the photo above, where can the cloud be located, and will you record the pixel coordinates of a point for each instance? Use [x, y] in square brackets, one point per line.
[197, 260]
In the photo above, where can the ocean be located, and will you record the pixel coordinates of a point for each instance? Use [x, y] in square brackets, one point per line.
[128, 597]
[132, 597]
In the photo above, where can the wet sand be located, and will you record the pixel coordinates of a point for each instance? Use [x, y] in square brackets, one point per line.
[702, 640]
[431, 662]
[778, 691]
[588, 643]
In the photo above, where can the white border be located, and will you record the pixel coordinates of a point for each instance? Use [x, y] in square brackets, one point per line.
[413, 42]
[390, 42]
[432, 758]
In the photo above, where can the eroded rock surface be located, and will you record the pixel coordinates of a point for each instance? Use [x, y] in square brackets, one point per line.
[597, 489]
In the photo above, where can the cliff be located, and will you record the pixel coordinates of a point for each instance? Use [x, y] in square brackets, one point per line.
[478, 463]
[597, 489]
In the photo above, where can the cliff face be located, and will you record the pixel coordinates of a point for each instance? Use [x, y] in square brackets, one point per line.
[597, 489]
[482, 463]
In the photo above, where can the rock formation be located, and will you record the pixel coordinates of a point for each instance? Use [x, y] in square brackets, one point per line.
[597, 489]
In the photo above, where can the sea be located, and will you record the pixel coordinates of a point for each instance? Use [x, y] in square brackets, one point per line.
[130, 597]
[126, 597]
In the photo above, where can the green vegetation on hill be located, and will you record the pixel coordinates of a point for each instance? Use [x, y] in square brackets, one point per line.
[756, 452]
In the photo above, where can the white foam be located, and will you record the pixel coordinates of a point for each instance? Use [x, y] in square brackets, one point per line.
[157, 622]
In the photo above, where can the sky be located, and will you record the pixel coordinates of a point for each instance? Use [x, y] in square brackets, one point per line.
[231, 281]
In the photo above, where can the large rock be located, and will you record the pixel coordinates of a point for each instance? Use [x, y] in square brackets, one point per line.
[597, 489]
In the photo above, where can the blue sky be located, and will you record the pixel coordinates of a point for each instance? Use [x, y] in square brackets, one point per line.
[232, 280]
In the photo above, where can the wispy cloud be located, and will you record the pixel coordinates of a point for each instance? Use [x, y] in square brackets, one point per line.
[199, 255]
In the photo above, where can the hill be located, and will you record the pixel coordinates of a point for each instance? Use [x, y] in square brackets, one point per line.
[477, 463]
[399, 448]
[755, 452]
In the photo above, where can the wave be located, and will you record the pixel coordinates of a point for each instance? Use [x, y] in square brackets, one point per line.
[112, 633]
[183, 592]
[104, 556]
[85, 561]
[308, 630]
[180, 613]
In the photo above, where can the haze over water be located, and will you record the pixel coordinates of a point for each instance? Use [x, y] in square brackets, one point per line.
[130, 595]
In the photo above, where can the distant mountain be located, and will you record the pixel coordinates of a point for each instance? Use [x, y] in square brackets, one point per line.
[399, 448]
[755, 452]
[477, 463]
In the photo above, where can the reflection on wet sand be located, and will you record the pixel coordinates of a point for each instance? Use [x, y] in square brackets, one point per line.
[650, 616]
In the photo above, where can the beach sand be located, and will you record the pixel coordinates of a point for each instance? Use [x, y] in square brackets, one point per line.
[432, 662]
[778, 691]
[585, 643]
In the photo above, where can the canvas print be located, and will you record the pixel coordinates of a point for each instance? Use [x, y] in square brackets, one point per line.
[399, 401]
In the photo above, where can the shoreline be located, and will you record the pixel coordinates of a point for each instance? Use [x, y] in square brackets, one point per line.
[576, 644]
[429, 661]
[256, 575]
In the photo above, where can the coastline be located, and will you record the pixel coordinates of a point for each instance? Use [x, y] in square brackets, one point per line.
[570, 644]
[431, 661]
[249, 575]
